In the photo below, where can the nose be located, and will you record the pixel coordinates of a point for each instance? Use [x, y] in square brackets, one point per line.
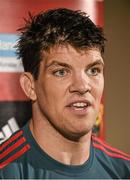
[80, 84]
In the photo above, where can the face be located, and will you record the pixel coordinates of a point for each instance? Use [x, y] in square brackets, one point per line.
[69, 89]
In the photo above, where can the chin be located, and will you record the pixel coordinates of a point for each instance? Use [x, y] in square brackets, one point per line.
[77, 134]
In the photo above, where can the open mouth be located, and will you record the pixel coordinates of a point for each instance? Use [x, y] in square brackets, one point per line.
[79, 107]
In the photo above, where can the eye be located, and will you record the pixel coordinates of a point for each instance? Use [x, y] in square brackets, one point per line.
[60, 72]
[93, 71]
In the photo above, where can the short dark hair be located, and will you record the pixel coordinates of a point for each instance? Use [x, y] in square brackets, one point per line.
[56, 26]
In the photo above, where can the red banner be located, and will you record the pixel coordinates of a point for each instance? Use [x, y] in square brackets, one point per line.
[15, 108]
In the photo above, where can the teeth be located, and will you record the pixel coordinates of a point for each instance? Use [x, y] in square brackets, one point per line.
[80, 105]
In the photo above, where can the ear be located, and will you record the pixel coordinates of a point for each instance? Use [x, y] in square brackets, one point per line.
[28, 85]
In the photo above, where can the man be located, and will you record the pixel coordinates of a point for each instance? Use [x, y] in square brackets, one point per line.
[62, 54]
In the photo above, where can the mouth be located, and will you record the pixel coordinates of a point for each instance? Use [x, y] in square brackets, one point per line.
[79, 107]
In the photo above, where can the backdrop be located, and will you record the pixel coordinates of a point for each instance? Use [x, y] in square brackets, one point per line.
[15, 108]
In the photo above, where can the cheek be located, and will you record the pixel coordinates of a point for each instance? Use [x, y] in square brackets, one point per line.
[98, 89]
[53, 93]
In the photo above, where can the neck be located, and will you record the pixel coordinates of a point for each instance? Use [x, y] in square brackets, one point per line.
[59, 147]
[68, 152]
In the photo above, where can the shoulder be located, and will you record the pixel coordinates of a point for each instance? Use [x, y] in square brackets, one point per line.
[13, 148]
[109, 151]
[114, 161]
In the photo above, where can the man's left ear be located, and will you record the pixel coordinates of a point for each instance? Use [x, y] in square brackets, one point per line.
[27, 84]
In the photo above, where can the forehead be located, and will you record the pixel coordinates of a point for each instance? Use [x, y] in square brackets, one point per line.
[70, 55]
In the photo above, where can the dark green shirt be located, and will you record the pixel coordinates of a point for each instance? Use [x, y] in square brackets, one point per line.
[22, 158]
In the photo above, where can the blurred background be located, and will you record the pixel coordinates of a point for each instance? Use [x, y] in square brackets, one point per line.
[117, 73]
[113, 123]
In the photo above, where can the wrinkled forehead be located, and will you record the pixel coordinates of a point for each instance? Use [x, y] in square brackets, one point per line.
[67, 54]
[63, 49]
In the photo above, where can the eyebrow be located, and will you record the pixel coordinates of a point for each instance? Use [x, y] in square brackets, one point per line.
[97, 62]
[57, 63]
